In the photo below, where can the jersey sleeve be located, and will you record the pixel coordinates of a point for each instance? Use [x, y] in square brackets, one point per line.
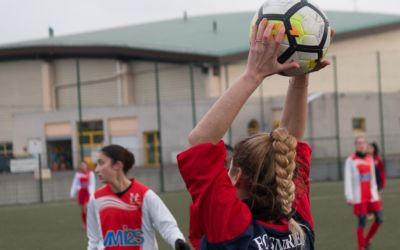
[157, 214]
[301, 203]
[74, 186]
[382, 172]
[220, 213]
[195, 231]
[93, 227]
[348, 179]
[92, 183]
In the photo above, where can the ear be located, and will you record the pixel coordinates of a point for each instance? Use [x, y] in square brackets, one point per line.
[118, 165]
[235, 177]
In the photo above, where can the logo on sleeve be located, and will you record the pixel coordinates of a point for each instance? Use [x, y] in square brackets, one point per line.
[124, 237]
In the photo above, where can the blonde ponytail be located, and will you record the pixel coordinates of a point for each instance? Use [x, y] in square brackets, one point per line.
[284, 147]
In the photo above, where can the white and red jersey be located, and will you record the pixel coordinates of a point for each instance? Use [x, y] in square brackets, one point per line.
[83, 180]
[360, 180]
[129, 221]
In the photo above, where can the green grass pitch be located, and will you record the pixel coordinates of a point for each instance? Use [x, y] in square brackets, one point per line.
[57, 225]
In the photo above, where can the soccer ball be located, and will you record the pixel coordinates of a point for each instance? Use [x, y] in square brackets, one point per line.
[307, 32]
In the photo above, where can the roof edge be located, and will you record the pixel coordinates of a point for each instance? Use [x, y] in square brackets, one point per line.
[366, 32]
[123, 53]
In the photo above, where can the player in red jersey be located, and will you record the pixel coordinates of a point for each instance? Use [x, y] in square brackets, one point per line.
[361, 191]
[380, 172]
[124, 213]
[262, 202]
[84, 183]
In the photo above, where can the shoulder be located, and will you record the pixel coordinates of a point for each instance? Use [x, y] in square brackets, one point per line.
[303, 154]
[201, 150]
[303, 147]
[103, 191]
[139, 187]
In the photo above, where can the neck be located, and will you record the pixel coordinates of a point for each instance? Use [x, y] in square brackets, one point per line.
[361, 154]
[120, 184]
[241, 194]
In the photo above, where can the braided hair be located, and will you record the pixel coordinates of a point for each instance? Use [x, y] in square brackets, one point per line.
[267, 161]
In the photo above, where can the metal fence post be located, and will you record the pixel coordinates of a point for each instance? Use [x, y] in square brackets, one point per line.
[381, 116]
[157, 81]
[337, 121]
[40, 178]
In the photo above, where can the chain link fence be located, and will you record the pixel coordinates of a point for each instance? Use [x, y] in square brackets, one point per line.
[151, 107]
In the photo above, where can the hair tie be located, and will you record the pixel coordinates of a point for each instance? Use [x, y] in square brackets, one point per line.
[290, 215]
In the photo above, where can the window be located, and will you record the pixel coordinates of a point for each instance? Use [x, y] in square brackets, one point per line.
[276, 117]
[151, 148]
[359, 124]
[91, 139]
[253, 127]
[92, 134]
[216, 70]
[6, 149]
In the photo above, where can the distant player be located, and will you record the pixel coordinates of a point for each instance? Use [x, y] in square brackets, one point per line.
[124, 213]
[263, 200]
[84, 183]
[361, 191]
[380, 172]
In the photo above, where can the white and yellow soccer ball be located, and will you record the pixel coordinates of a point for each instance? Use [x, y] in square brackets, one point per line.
[307, 32]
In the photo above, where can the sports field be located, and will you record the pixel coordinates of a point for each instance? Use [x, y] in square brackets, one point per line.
[57, 225]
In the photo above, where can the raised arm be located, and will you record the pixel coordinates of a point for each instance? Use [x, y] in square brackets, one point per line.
[294, 113]
[262, 62]
[295, 110]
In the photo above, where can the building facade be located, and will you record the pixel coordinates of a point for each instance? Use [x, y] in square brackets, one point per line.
[74, 94]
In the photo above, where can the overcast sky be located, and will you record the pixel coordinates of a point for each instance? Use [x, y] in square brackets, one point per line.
[30, 19]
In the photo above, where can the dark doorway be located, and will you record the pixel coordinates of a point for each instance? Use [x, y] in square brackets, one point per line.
[59, 154]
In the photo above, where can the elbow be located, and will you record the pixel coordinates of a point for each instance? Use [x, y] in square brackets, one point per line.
[193, 138]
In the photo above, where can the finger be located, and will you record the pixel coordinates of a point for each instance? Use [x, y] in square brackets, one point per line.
[253, 34]
[321, 65]
[281, 34]
[267, 36]
[289, 66]
[261, 28]
[279, 38]
[325, 62]
[333, 32]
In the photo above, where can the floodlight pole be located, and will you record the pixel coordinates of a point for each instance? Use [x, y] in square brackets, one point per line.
[157, 80]
[193, 95]
[226, 87]
[78, 86]
[381, 115]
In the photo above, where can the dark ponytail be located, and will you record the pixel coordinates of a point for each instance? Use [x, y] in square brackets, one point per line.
[118, 153]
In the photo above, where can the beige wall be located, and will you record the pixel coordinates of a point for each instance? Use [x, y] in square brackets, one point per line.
[21, 91]
[174, 82]
[98, 83]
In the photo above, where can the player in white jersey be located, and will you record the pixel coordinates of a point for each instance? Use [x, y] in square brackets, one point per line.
[84, 183]
[361, 191]
[124, 213]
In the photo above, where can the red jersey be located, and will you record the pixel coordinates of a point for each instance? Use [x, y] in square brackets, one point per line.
[224, 220]
[129, 221]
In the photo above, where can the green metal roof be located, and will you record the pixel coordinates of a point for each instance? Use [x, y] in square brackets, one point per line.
[195, 35]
